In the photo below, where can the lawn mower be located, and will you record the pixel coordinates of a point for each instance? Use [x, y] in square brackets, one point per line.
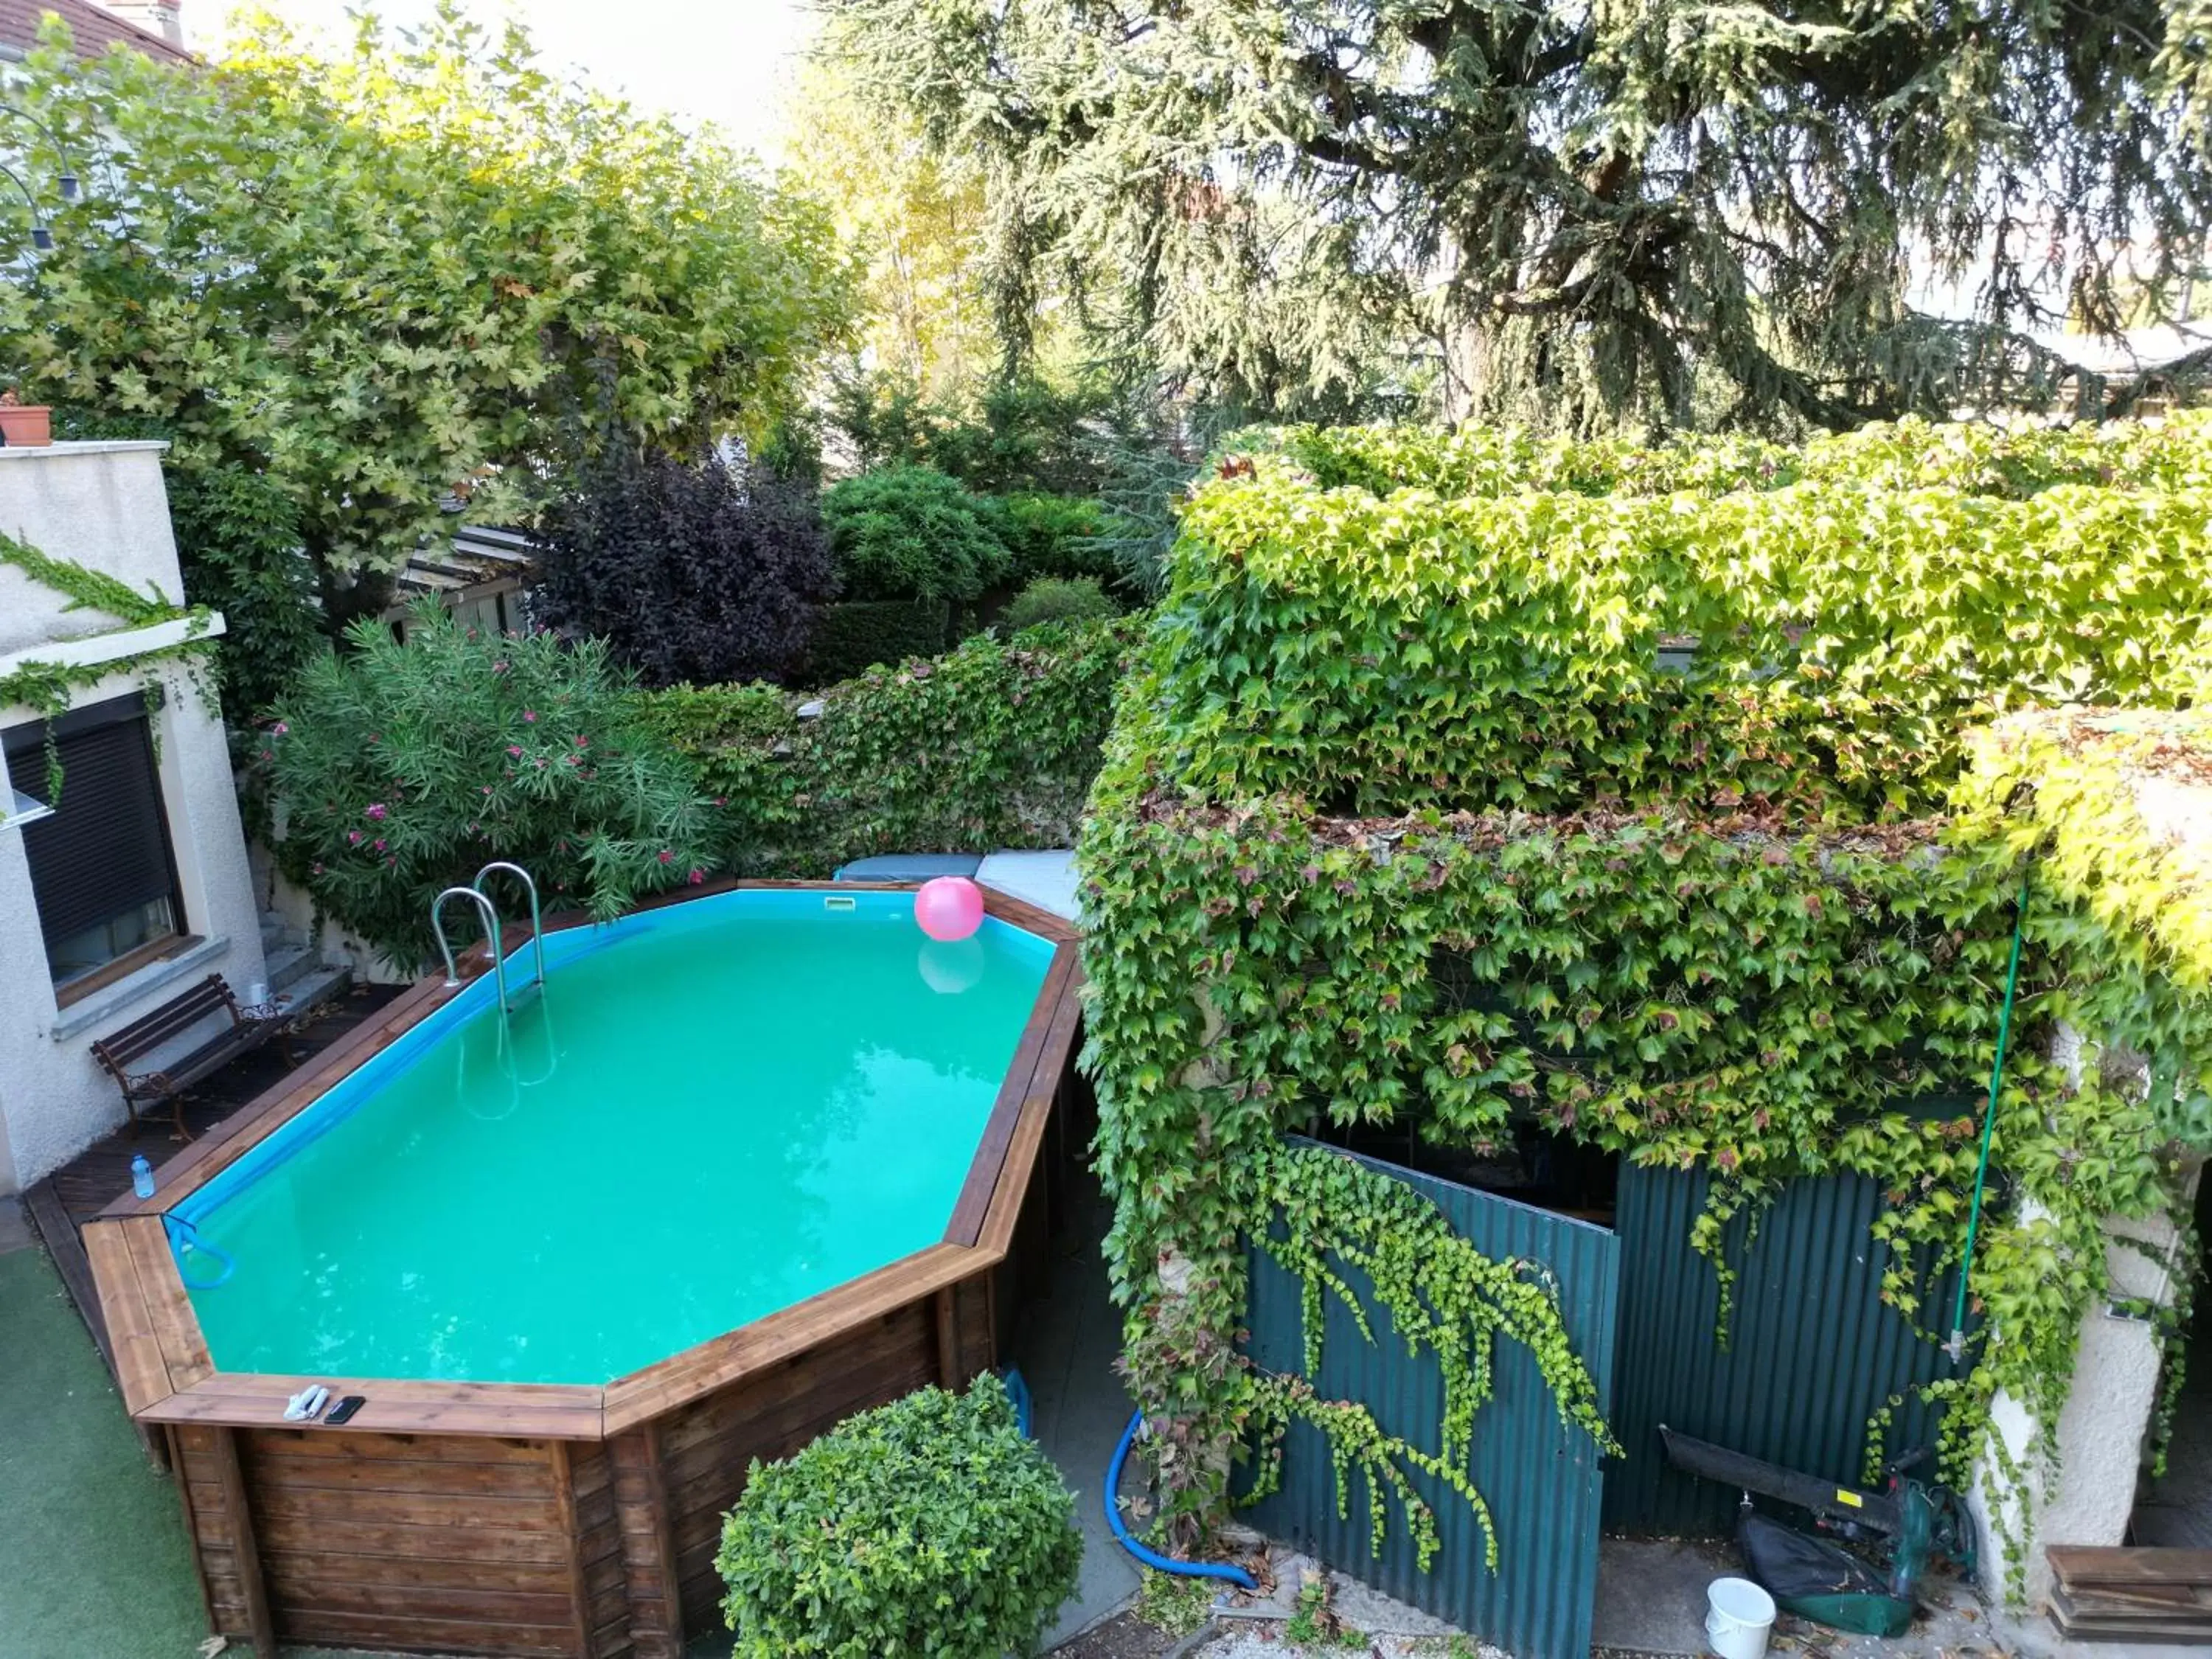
[1818, 1578]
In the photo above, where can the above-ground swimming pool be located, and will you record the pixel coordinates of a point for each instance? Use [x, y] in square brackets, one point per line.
[761, 1097]
[745, 1163]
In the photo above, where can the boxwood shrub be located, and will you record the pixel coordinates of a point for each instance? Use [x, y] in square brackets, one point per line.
[909, 532]
[930, 1526]
[1052, 536]
[1057, 599]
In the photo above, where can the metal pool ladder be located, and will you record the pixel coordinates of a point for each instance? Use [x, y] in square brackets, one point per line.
[488, 913]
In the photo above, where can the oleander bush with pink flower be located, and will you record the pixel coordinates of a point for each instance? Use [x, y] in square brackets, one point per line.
[398, 770]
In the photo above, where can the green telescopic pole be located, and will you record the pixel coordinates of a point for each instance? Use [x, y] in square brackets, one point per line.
[1956, 1348]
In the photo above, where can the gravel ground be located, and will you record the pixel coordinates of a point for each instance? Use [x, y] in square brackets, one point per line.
[1268, 1642]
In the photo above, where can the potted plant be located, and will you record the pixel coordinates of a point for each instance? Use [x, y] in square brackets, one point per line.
[24, 426]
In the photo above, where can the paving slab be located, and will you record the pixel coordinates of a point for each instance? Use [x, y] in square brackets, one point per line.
[1065, 1345]
[1044, 879]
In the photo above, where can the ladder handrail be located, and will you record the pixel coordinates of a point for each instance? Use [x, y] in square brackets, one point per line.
[490, 916]
[537, 927]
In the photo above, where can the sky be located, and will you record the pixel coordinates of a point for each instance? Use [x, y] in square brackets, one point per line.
[725, 61]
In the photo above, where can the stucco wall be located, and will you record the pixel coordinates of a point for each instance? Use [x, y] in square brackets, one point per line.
[100, 504]
[103, 506]
[2100, 1445]
[2088, 1493]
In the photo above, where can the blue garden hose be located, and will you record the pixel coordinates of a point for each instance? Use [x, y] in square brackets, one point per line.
[1017, 1391]
[1152, 1558]
[183, 1233]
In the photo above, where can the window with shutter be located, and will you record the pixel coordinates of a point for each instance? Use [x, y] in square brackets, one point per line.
[101, 866]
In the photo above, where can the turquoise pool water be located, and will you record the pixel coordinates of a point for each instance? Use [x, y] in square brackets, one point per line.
[713, 1111]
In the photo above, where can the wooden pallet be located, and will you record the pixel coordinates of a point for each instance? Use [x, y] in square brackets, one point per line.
[2140, 1595]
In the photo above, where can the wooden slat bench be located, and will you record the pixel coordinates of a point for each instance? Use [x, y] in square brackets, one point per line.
[118, 1052]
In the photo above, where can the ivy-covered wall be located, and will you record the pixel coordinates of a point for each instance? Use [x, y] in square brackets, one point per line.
[1645, 818]
[1909, 454]
[994, 744]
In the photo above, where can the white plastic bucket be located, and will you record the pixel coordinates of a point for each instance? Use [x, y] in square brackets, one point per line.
[1738, 1616]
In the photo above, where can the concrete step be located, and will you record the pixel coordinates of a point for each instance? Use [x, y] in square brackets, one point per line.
[317, 986]
[287, 965]
[275, 930]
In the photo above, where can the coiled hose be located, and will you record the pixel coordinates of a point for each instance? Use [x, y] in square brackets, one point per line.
[1152, 1558]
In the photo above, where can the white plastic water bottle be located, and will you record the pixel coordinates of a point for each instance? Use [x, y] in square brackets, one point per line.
[141, 1176]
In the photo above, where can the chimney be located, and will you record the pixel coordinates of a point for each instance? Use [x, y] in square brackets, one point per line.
[161, 17]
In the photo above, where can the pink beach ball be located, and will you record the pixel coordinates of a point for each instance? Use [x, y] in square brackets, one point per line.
[949, 908]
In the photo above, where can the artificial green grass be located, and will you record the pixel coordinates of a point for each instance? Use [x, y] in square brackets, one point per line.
[93, 1561]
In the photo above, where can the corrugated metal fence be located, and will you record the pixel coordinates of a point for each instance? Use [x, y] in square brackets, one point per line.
[1813, 1349]
[1541, 1478]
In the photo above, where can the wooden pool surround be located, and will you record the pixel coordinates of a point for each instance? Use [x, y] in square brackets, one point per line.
[536, 1519]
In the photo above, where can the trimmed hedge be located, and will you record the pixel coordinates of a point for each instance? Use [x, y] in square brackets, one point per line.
[1380, 653]
[992, 745]
[2175, 453]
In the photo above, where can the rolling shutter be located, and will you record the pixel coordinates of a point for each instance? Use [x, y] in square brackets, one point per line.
[105, 852]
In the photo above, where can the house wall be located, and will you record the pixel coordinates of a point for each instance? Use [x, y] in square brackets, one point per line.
[103, 506]
[2088, 1497]
[100, 504]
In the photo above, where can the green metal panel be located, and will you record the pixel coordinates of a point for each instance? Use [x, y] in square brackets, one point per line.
[1540, 1477]
[1812, 1349]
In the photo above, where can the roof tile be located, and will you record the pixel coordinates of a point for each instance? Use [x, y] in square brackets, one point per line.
[95, 30]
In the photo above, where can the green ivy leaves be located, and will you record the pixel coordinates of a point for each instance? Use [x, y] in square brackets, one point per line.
[1657, 818]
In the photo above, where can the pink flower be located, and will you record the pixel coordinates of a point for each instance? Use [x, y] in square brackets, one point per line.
[319, 870]
[515, 750]
[697, 876]
[499, 667]
[280, 729]
[353, 837]
[487, 789]
[269, 754]
[719, 801]
[530, 717]
[379, 843]
[583, 743]
[667, 857]
[375, 810]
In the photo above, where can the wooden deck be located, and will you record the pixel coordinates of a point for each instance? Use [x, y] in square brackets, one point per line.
[60, 1204]
[575, 1522]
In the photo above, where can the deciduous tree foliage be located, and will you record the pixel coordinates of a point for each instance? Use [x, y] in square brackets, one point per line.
[377, 278]
[1585, 210]
[919, 221]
